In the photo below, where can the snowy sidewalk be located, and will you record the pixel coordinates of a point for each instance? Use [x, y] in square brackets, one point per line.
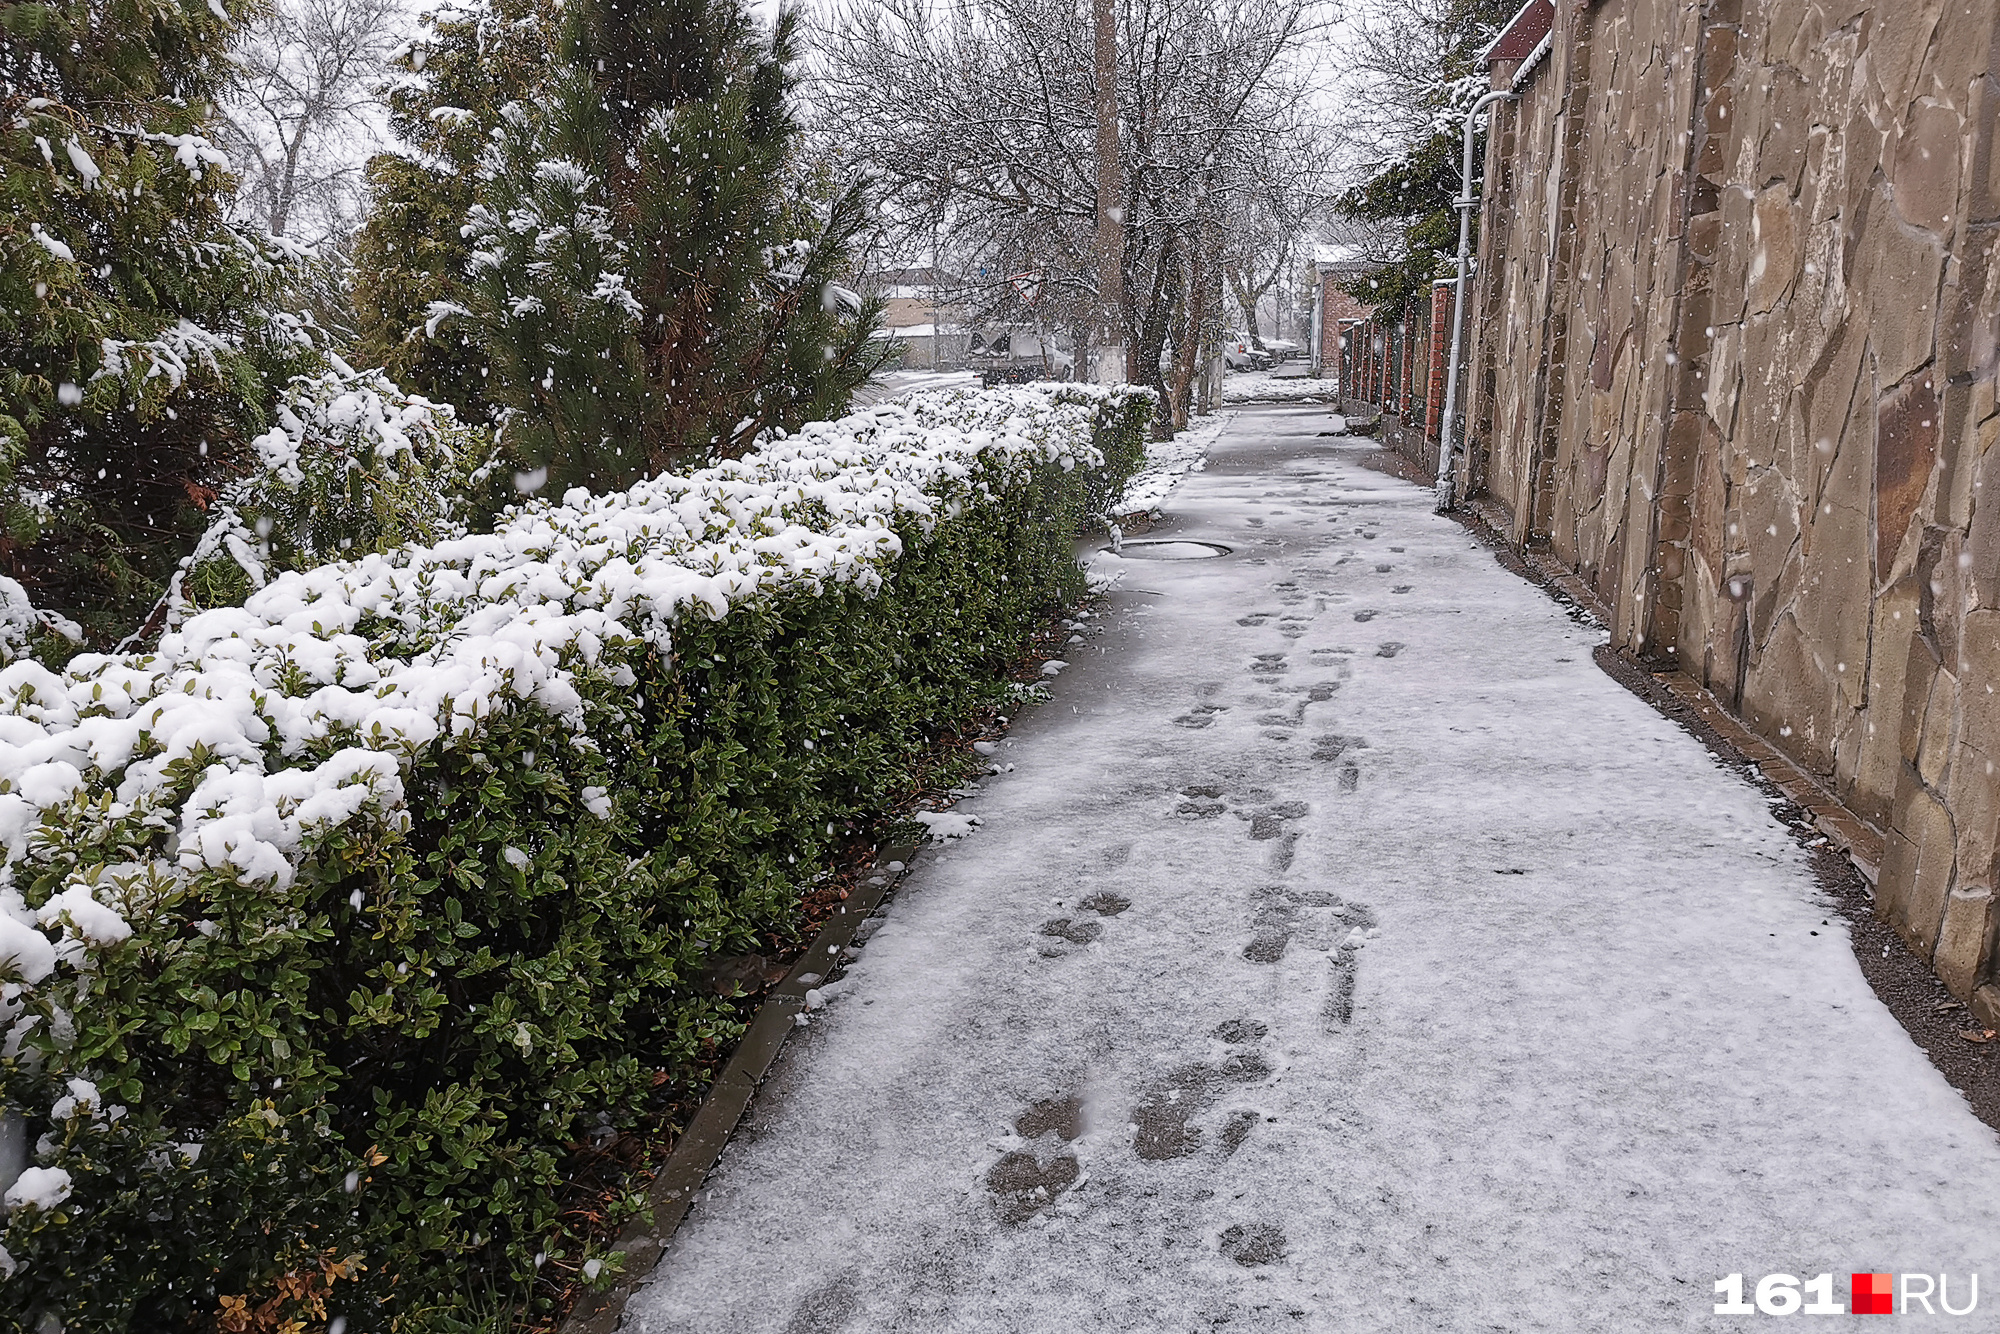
[1457, 990]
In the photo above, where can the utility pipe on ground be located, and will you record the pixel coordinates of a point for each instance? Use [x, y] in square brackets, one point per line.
[1465, 203]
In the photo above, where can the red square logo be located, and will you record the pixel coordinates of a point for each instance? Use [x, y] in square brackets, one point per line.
[1874, 1294]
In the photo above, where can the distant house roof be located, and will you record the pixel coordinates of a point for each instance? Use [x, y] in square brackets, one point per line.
[1527, 30]
[910, 280]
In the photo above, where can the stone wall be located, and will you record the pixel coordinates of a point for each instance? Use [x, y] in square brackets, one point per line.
[1734, 364]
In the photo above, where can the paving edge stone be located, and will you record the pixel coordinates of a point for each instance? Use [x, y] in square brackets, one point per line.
[678, 1184]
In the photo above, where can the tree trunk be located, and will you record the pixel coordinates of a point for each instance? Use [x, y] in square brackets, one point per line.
[1110, 239]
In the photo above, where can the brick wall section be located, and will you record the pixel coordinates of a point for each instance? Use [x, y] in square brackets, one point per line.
[1400, 372]
[1337, 309]
[1440, 346]
[1734, 363]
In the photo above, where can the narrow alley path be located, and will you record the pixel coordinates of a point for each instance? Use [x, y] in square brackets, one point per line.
[1344, 951]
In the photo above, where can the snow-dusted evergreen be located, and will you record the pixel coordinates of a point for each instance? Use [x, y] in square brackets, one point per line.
[649, 278]
[141, 337]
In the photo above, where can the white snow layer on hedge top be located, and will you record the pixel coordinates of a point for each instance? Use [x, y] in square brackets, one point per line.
[310, 698]
[21, 621]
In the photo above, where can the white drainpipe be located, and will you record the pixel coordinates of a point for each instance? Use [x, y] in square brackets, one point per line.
[1465, 204]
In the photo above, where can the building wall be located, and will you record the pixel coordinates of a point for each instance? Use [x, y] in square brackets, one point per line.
[1336, 309]
[1734, 363]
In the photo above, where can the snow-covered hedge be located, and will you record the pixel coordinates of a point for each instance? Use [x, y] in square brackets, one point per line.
[330, 930]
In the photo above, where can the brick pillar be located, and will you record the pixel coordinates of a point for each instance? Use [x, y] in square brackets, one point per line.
[1329, 326]
[1383, 347]
[1367, 394]
[1357, 345]
[1409, 390]
[1441, 295]
[1374, 361]
[1386, 345]
[1392, 356]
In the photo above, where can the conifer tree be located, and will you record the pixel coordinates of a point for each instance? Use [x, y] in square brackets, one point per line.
[1410, 190]
[140, 341]
[464, 64]
[649, 284]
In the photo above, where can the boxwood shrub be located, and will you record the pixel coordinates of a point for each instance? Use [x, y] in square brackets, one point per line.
[333, 930]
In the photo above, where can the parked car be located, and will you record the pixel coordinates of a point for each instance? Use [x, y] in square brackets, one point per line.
[1282, 349]
[1239, 353]
[1016, 356]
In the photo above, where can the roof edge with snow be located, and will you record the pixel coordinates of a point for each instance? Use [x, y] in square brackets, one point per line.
[1531, 27]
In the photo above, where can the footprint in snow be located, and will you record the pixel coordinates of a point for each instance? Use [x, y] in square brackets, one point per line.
[1075, 931]
[1252, 1244]
[1330, 746]
[1163, 1125]
[1062, 932]
[1270, 822]
[1023, 1184]
[1027, 1180]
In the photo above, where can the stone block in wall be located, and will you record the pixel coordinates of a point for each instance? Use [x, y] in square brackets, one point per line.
[1921, 666]
[1971, 336]
[1774, 248]
[1925, 170]
[1973, 790]
[1837, 403]
[1917, 862]
[1892, 634]
[1983, 539]
[1982, 185]
[1906, 440]
[1769, 516]
[1785, 130]
[1718, 62]
[1900, 43]
[1861, 161]
[1943, 588]
[1730, 275]
[1724, 387]
[1965, 936]
[1788, 697]
[1838, 565]
[1895, 273]
[1936, 732]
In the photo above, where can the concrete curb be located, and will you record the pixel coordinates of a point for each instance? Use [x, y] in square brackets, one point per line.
[680, 1179]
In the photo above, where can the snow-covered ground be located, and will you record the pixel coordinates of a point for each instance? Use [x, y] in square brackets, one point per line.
[1288, 385]
[1168, 461]
[1344, 952]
